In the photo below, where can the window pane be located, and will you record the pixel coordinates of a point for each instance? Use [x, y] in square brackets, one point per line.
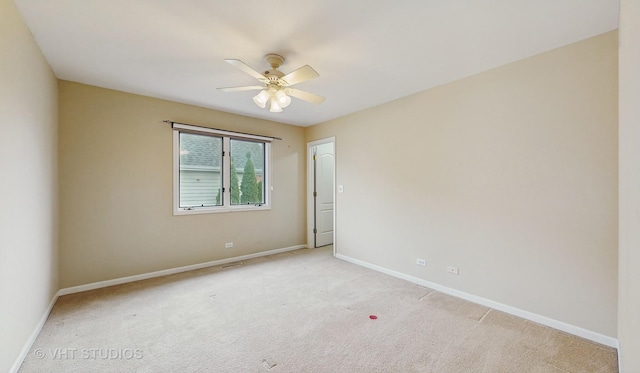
[247, 172]
[200, 170]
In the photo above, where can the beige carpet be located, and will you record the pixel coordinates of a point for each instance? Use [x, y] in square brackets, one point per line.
[301, 311]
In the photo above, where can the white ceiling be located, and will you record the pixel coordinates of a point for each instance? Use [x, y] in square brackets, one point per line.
[366, 52]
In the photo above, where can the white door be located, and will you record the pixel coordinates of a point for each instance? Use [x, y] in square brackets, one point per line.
[323, 194]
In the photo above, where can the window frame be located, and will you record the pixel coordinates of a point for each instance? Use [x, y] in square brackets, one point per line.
[226, 170]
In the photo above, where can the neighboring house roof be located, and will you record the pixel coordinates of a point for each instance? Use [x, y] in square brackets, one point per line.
[200, 151]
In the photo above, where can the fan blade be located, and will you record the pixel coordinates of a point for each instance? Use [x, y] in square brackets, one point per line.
[303, 95]
[240, 89]
[247, 69]
[303, 74]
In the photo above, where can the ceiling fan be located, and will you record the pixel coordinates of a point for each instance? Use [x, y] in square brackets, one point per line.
[276, 86]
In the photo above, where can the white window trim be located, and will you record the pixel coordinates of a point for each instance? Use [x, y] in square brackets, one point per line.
[226, 180]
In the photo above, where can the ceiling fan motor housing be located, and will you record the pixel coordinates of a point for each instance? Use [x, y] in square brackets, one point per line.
[275, 60]
[273, 74]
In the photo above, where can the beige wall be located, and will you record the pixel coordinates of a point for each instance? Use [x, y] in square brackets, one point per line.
[629, 287]
[116, 189]
[510, 175]
[28, 185]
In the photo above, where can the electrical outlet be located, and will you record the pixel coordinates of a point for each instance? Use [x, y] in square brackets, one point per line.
[453, 270]
[228, 245]
[421, 262]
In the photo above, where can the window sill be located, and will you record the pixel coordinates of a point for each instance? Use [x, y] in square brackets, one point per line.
[217, 210]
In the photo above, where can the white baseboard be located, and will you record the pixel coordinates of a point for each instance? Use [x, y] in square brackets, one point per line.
[171, 271]
[568, 328]
[124, 280]
[32, 338]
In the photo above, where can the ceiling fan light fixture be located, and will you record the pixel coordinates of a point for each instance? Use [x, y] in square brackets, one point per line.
[283, 99]
[261, 98]
[275, 108]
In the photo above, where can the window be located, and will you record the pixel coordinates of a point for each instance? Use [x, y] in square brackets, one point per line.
[219, 171]
[200, 171]
[247, 172]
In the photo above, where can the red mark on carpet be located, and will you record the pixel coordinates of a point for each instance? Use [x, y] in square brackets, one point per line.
[373, 317]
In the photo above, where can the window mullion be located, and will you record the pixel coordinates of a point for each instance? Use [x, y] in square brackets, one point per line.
[226, 171]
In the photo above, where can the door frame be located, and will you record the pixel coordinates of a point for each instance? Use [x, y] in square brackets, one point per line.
[310, 181]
